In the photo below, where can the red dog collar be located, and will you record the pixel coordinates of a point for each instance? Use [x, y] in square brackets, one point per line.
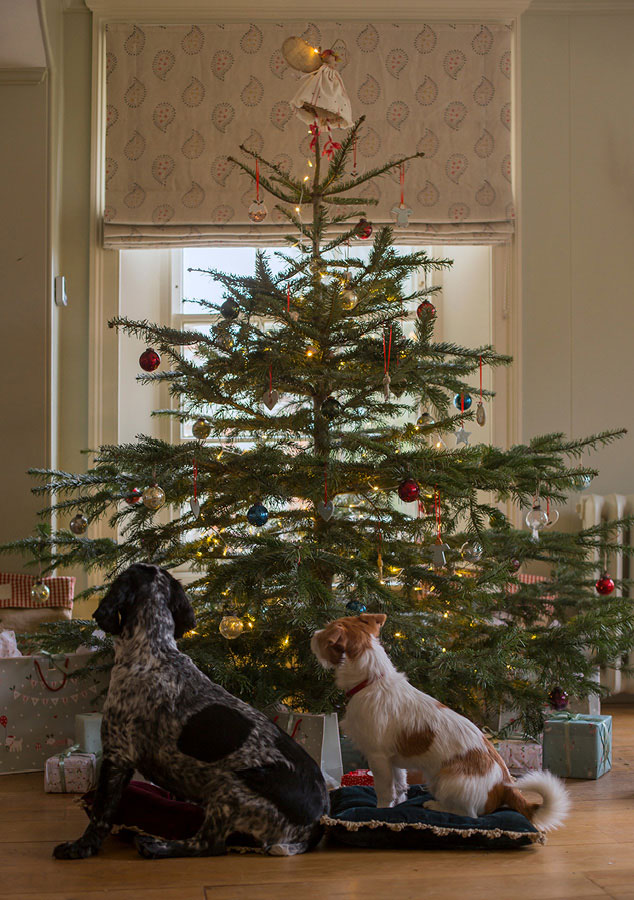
[359, 687]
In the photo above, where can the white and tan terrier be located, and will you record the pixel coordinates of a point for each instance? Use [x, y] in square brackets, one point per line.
[398, 728]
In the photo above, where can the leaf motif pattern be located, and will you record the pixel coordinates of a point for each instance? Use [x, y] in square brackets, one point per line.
[193, 42]
[221, 62]
[505, 64]
[396, 61]
[135, 197]
[284, 162]
[454, 63]
[428, 144]
[135, 95]
[221, 214]
[484, 92]
[281, 114]
[456, 166]
[254, 142]
[222, 116]
[163, 63]
[194, 93]
[426, 40]
[368, 39]
[505, 167]
[485, 195]
[135, 147]
[397, 113]
[369, 91]
[455, 114]
[341, 49]
[112, 116]
[162, 168]
[251, 40]
[430, 195]
[111, 63]
[135, 42]
[277, 64]
[312, 35]
[111, 168]
[163, 116]
[194, 146]
[505, 115]
[370, 143]
[427, 92]
[251, 94]
[485, 145]
[162, 213]
[458, 212]
[194, 196]
[483, 41]
[221, 168]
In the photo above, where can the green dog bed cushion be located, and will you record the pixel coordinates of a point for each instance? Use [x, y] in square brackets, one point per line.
[355, 820]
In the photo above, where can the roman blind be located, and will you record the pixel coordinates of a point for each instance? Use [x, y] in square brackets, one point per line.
[181, 99]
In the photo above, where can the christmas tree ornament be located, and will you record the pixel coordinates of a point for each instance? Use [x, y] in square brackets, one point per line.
[257, 515]
[537, 518]
[153, 497]
[515, 565]
[349, 299]
[40, 592]
[401, 212]
[230, 310]
[558, 698]
[257, 211]
[133, 497]
[425, 419]
[605, 585]
[387, 352]
[270, 398]
[553, 514]
[471, 551]
[363, 230]
[326, 507]
[194, 503]
[231, 627]
[463, 402]
[480, 413]
[462, 436]
[201, 429]
[353, 172]
[356, 607]
[426, 308]
[149, 360]
[331, 408]
[224, 338]
[78, 524]
[438, 553]
[321, 98]
[409, 490]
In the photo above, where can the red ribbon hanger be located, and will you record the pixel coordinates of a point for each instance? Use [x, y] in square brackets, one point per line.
[288, 298]
[314, 130]
[257, 181]
[402, 180]
[480, 379]
[330, 146]
[195, 479]
[387, 352]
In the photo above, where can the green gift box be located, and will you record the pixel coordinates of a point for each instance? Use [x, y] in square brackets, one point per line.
[578, 745]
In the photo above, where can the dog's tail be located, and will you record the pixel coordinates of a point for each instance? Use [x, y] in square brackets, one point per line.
[555, 805]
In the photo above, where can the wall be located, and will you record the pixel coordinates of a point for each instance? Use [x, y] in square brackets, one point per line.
[577, 208]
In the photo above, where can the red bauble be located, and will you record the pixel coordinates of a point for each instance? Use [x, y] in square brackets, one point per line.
[409, 490]
[558, 698]
[134, 496]
[426, 309]
[605, 584]
[363, 229]
[149, 360]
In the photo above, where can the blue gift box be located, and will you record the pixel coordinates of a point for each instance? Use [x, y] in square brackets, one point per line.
[578, 746]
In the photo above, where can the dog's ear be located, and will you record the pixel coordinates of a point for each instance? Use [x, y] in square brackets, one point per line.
[180, 607]
[110, 615]
[376, 621]
[335, 642]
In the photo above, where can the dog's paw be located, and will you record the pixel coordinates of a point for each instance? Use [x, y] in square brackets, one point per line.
[151, 848]
[75, 850]
[400, 798]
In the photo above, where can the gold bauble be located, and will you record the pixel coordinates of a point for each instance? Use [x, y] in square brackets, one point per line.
[78, 524]
[349, 299]
[153, 496]
[40, 592]
[201, 429]
[231, 627]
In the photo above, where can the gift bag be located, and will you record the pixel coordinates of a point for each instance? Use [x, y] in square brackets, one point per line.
[38, 703]
[20, 612]
[319, 736]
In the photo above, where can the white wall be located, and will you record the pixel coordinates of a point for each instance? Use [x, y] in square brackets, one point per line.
[577, 207]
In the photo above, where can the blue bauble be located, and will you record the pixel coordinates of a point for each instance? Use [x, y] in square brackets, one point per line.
[457, 401]
[356, 607]
[257, 514]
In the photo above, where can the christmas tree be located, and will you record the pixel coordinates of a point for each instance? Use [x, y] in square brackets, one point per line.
[326, 477]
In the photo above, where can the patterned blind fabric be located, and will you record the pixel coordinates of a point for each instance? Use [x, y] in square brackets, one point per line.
[181, 99]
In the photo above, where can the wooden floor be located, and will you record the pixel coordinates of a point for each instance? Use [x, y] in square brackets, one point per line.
[592, 856]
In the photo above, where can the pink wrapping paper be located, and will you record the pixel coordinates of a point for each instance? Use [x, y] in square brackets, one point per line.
[76, 773]
[520, 754]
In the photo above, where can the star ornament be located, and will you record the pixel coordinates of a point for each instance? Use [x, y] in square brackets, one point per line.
[462, 437]
[401, 215]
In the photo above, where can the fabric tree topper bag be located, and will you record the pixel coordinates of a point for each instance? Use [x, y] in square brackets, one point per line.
[18, 610]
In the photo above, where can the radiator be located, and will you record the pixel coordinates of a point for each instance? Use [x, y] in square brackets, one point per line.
[593, 509]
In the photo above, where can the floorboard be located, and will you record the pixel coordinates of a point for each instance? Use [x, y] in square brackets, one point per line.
[592, 856]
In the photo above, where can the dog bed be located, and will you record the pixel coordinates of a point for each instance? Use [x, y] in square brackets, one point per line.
[355, 820]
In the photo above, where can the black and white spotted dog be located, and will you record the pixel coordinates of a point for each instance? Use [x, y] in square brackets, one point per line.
[166, 719]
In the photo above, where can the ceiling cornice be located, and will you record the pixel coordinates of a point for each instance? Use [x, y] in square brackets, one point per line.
[581, 7]
[165, 11]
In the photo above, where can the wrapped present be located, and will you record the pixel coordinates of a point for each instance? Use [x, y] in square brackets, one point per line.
[71, 772]
[88, 732]
[359, 776]
[577, 745]
[520, 753]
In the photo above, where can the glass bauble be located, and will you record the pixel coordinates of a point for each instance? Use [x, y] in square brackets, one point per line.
[78, 524]
[409, 490]
[153, 496]
[356, 607]
[149, 360]
[558, 698]
[134, 496]
[224, 339]
[537, 518]
[426, 308]
[257, 515]
[425, 419]
[231, 627]
[229, 309]
[461, 399]
[605, 584]
[471, 551]
[40, 592]
[349, 299]
[201, 429]
[363, 229]
[258, 211]
[330, 408]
